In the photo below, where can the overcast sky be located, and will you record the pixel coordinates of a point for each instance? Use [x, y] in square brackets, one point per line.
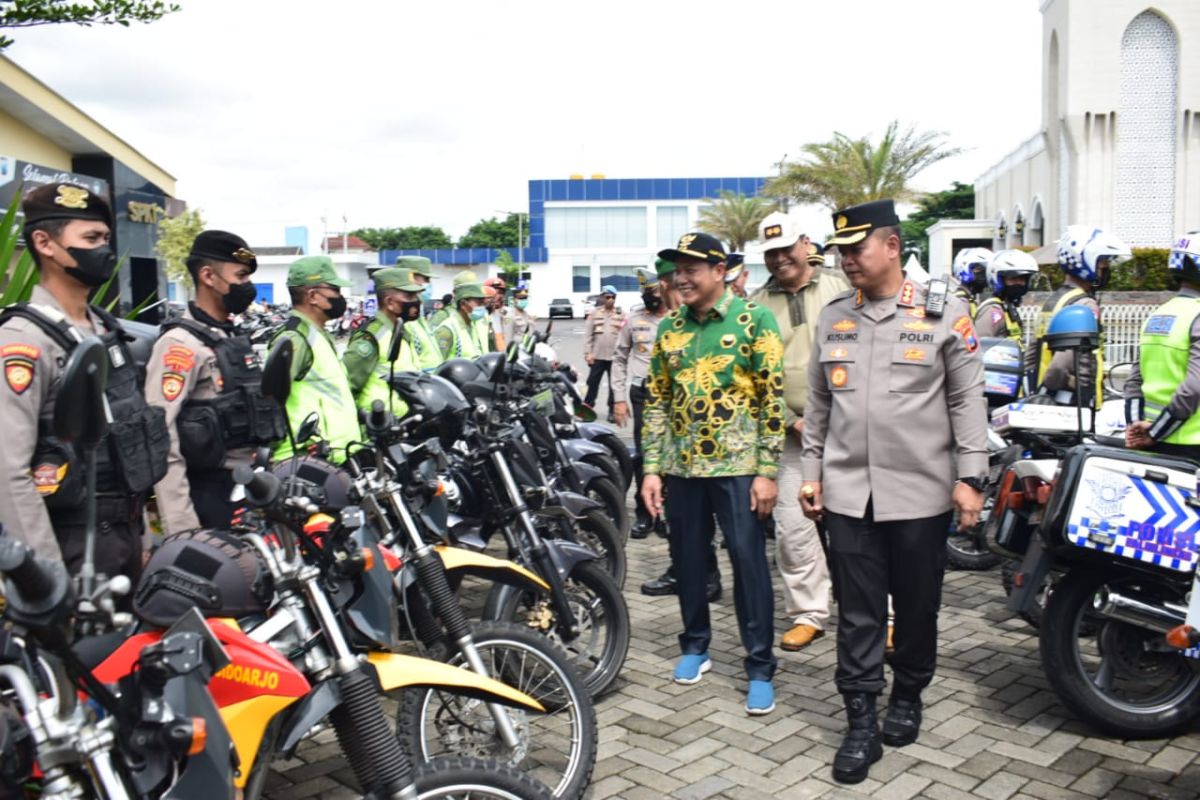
[276, 112]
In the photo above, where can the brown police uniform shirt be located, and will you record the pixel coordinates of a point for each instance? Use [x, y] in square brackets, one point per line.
[600, 330]
[631, 360]
[183, 368]
[33, 366]
[895, 408]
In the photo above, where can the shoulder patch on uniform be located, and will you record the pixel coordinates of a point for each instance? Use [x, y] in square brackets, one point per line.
[19, 365]
[172, 385]
[179, 358]
[365, 347]
[997, 315]
[964, 328]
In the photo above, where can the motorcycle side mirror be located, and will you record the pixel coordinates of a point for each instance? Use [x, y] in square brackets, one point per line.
[81, 412]
[1115, 377]
[277, 373]
[498, 373]
[513, 354]
[397, 340]
[308, 428]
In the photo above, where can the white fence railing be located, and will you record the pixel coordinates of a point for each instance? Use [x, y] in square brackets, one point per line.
[1122, 325]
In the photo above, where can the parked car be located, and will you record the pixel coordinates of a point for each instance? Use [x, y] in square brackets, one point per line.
[561, 307]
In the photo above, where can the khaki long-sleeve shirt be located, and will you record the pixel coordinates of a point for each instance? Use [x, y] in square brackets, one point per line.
[600, 331]
[631, 361]
[182, 368]
[895, 408]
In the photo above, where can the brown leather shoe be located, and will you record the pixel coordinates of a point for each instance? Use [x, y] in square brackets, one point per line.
[800, 637]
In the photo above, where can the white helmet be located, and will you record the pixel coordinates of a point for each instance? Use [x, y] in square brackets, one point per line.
[970, 268]
[1007, 264]
[1185, 256]
[1082, 249]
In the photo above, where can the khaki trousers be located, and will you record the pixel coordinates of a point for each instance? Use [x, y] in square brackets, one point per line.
[806, 584]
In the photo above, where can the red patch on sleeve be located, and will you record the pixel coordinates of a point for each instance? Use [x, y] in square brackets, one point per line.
[172, 385]
[20, 361]
[997, 316]
[179, 359]
[964, 328]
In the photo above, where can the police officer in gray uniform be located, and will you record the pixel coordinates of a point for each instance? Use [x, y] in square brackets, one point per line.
[67, 229]
[894, 439]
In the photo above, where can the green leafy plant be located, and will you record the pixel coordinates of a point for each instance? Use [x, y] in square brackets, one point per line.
[734, 218]
[30, 13]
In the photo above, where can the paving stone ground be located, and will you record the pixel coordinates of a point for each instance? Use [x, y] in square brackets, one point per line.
[993, 729]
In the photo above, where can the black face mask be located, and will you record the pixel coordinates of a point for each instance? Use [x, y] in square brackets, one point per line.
[94, 266]
[410, 310]
[337, 307]
[978, 280]
[652, 302]
[1013, 294]
[239, 297]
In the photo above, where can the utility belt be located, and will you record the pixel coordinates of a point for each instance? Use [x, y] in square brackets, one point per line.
[119, 510]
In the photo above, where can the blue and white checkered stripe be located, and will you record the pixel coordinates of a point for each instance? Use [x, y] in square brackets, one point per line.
[1123, 545]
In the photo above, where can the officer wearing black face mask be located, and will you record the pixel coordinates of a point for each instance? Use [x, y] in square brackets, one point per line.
[67, 229]
[207, 379]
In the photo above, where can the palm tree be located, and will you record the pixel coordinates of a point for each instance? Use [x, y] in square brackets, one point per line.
[844, 171]
[734, 218]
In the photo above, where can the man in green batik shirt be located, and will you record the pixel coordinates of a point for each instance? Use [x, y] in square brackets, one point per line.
[714, 435]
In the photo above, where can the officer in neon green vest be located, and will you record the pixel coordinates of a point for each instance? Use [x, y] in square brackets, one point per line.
[399, 297]
[1162, 394]
[459, 334]
[419, 333]
[319, 382]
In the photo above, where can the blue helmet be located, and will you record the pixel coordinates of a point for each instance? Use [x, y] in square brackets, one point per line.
[1073, 326]
[970, 268]
[1082, 250]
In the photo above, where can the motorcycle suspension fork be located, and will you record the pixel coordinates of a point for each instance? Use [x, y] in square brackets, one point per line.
[432, 574]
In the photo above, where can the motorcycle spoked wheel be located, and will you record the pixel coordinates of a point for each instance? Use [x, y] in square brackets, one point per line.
[595, 531]
[447, 778]
[606, 493]
[620, 453]
[1124, 681]
[557, 748]
[598, 650]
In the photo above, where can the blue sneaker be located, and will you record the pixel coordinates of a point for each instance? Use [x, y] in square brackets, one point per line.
[760, 699]
[691, 667]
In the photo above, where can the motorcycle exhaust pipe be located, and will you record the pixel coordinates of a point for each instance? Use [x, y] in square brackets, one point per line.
[1139, 610]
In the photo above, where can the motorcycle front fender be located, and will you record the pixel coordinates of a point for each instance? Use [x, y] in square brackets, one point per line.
[594, 430]
[565, 555]
[586, 472]
[395, 671]
[568, 504]
[498, 570]
[316, 705]
[576, 449]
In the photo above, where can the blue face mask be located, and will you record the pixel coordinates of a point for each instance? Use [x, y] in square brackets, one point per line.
[478, 313]
[427, 293]
[522, 303]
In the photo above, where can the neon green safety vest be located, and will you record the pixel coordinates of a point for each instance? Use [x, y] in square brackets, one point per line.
[1165, 341]
[1014, 327]
[466, 342]
[376, 386]
[1062, 298]
[320, 385]
[483, 327]
[419, 336]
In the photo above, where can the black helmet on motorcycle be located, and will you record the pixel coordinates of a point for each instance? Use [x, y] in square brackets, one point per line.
[459, 371]
[212, 571]
[487, 363]
[436, 399]
[328, 485]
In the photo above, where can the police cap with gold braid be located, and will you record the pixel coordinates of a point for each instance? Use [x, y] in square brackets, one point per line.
[852, 225]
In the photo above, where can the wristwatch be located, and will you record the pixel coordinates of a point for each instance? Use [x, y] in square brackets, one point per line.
[975, 482]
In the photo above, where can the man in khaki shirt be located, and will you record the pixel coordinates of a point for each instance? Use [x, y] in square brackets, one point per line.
[600, 331]
[207, 379]
[895, 439]
[795, 294]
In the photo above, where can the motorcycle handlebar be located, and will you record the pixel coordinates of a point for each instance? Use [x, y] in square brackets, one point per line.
[262, 488]
[30, 578]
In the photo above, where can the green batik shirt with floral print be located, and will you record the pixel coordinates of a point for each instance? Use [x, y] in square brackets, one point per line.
[715, 405]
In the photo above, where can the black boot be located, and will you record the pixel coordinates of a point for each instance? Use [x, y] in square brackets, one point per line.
[662, 585]
[862, 746]
[641, 529]
[903, 721]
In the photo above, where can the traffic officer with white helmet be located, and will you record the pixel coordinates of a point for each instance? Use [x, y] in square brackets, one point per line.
[1162, 394]
[895, 439]
[970, 271]
[1009, 273]
[42, 494]
[1086, 256]
[208, 380]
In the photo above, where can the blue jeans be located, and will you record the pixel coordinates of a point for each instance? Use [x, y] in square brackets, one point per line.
[691, 505]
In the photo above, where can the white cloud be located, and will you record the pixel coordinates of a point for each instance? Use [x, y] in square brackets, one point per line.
[275, 112]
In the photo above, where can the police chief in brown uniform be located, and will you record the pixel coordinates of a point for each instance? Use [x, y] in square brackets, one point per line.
[67, 230]
[894, 439]
[207, 379]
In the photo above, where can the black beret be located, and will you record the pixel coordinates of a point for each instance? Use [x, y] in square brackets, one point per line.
[65, 201]
[223, 246]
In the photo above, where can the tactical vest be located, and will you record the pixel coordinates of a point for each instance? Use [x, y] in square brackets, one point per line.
[376, 386]
[239, 416]
[1165, 342]
[322, 388]
[1011, 321]
[132, 457]
[1065, 296]
[466, 337]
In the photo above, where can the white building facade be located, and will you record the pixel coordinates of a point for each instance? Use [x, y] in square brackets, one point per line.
[1120, 141]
